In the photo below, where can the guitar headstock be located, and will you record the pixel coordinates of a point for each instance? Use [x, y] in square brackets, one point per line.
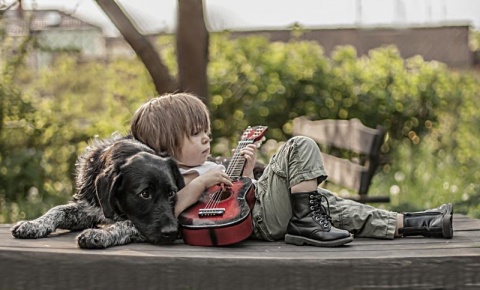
[254, 134]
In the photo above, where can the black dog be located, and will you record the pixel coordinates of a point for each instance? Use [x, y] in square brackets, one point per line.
[124, 187]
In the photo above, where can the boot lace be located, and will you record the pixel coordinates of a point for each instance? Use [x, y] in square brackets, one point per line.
[320, 213]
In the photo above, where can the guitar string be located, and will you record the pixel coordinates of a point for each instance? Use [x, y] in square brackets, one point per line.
[236, 160]
[234, 166]
[216, 196]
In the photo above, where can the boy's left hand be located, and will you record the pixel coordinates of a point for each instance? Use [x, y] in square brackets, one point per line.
[250, 154]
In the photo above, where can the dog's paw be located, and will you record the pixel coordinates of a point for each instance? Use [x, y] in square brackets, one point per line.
[93, 239]
[30, 230]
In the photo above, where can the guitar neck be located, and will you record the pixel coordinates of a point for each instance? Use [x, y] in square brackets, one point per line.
[237, 163]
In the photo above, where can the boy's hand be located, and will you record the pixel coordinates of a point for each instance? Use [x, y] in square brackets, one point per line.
[213, 177]
[192, 192]
[250, 154]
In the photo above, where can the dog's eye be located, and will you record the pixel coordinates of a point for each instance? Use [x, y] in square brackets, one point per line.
[172, 193]
[145, 194]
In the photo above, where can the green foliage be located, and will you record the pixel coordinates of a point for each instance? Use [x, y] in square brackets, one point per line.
[474, 40]
[47, 120]
[429, 111]
[257, 82]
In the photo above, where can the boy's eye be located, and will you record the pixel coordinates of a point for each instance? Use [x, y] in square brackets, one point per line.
[195, 133]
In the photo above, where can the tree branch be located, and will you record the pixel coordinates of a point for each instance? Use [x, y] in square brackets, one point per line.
[164, 83]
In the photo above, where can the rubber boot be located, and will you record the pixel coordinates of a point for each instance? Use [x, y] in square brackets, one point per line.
[311, 223]
[435, 223]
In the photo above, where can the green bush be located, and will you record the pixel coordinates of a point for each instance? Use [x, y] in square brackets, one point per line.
[50, 122]
[254, 81]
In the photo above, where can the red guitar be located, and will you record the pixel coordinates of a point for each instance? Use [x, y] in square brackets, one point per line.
[222, 215]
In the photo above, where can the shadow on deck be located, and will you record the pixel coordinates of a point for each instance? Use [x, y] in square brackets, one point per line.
[409, 263]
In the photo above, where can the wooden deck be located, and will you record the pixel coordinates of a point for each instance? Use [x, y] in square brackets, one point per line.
[409, 263]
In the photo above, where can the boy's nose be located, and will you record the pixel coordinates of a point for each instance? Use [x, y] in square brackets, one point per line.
[205, 138]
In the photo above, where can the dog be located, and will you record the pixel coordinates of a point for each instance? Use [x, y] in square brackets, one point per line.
[125, 193]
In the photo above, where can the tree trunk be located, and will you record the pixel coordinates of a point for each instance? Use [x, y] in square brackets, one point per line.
[164, 83]
[192, 48]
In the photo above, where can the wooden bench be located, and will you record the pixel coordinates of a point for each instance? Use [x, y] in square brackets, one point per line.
[350, 150]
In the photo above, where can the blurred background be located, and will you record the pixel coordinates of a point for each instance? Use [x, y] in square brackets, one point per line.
[76, 70]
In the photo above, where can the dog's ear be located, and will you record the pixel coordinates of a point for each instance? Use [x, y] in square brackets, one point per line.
[106, 185]
[177, 176]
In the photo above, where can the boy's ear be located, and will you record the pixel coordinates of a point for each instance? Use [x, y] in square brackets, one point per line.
[177, 176]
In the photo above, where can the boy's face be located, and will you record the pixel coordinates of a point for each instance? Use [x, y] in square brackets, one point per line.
[195, 149]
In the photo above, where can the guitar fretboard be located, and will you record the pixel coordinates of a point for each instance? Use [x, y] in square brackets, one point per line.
[235, 168]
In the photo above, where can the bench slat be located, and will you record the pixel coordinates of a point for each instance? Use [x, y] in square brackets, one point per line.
[344, 134]
[344, 172]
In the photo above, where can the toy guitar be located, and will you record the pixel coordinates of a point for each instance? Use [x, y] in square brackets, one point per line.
[222, 215]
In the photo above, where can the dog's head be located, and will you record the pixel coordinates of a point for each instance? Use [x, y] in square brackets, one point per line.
[142, 188]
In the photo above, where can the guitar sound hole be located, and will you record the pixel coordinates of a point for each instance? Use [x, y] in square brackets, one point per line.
[226, 193]
[212, 207]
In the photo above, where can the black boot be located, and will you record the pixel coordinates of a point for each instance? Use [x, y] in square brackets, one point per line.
[311, 223]
[435, 223]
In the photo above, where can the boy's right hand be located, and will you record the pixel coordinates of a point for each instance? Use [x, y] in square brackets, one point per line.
[213, 177]
[192, 192]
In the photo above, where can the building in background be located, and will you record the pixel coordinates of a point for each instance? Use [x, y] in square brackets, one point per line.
[447, 44]
[59, 31]
[54, 31]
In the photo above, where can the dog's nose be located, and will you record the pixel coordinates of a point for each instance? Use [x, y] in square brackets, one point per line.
[169, 233]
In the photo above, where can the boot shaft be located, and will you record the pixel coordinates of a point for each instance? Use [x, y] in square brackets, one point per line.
[301, 204]
[435, 222]
[311, 222]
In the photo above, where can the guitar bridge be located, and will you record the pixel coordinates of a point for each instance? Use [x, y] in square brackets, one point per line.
[210, 212]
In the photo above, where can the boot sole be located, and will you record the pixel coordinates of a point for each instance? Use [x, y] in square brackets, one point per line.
[300, 241]
[447, 222]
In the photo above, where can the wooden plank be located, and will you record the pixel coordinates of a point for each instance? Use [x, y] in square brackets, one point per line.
[41, 271]
[272, 250]
[346, 134]
[408, 263]
[342, 171]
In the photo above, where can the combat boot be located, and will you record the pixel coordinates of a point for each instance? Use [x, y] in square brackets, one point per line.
[435, 223]
[311, 222]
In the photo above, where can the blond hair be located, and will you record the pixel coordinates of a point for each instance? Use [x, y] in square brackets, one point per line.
[164, 121]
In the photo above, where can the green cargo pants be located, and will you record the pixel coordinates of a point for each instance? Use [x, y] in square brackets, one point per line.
[298, 160]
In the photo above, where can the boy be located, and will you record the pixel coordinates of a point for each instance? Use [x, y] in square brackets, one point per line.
[289, 205]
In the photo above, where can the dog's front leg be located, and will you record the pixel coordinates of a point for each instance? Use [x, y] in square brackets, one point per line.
[119, 233]
[72, 216]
